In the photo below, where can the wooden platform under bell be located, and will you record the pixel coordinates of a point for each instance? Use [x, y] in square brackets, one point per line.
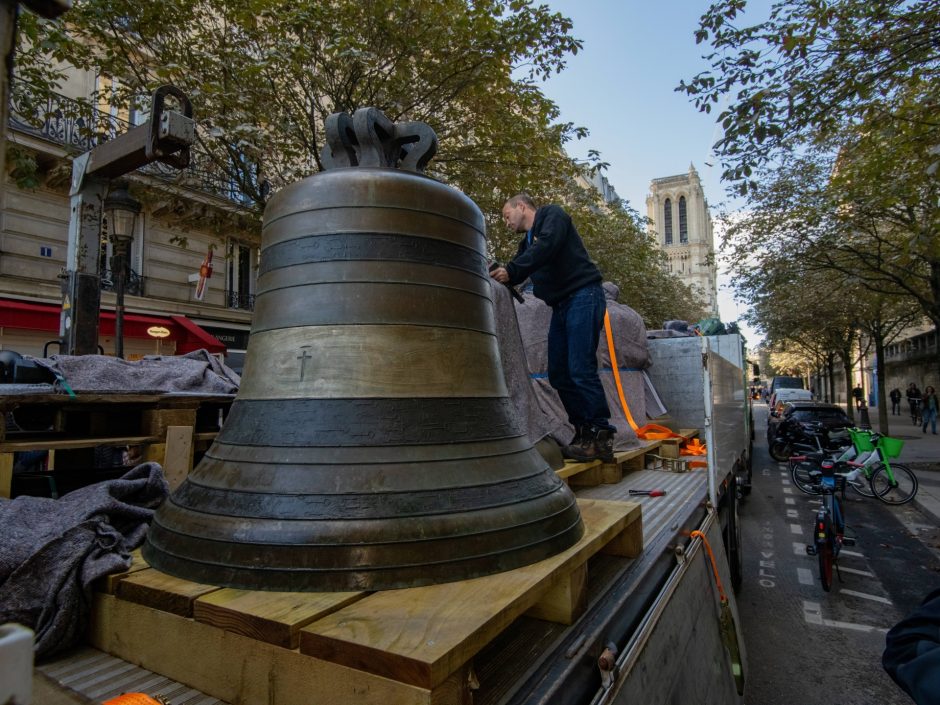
[413, 645]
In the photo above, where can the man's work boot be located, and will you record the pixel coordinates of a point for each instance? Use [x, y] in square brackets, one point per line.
[596, 444]
[580, 432]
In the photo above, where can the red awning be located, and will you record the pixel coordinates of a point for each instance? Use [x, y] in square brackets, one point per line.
[45, 317]
[193, 337]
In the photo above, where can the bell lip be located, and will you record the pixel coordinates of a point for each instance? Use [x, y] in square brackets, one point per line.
[363, 578]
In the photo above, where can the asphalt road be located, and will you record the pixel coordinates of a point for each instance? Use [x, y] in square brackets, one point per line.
[808, 646]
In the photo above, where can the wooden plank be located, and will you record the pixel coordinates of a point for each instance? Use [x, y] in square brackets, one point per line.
[6, 474]
[158, 421]
[572, 468]
[566, 600]
[40, 443]
[423, 635]
[108, 584]
[591, 476]
[274, 617]
[178, 457]
[163, 592]
[232, 667]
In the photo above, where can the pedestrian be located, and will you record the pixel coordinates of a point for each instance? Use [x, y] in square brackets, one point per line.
[913, 400]
[895, 401]
[929, 407]
[859, 395]
[553, 255]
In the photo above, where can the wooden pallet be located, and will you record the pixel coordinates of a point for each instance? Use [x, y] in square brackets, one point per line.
[168, 427]
[399, 646]
[596, 472]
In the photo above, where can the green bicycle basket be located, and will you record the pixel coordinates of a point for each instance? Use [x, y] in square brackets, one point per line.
[890, 447]
[861, 439]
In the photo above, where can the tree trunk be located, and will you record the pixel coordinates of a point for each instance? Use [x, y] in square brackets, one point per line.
[847, 368]
[831, 377]
[880, 382]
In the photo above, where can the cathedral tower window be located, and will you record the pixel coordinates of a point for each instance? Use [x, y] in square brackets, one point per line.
[683, 221]
[667, 220]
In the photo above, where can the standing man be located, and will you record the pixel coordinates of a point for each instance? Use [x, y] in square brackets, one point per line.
[552, 254]
[895, 402]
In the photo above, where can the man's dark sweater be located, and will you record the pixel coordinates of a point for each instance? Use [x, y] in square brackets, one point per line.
[556, 260]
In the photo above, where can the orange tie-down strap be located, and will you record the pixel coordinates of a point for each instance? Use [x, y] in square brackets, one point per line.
[136, 699]
[651, 431]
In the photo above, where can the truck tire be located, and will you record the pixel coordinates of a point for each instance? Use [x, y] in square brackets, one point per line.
[734, 546]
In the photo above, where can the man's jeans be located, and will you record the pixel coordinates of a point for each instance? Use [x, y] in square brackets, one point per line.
[572, 356]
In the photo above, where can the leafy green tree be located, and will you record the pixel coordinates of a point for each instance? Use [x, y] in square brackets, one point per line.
[812, 69]
[263, 76]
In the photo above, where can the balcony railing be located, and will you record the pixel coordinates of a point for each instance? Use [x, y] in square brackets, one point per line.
[244, 302]
[133, 283]
[79, 128]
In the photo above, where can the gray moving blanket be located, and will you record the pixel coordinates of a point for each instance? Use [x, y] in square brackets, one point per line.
[523, 342]
[198, 372]
[52, 550]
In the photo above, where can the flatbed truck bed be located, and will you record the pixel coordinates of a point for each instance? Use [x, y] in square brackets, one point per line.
[530, 660]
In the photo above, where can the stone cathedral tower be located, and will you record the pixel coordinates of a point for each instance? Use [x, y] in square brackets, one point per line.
[679, 217]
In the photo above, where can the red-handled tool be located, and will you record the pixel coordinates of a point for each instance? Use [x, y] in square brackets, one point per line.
[649, 493]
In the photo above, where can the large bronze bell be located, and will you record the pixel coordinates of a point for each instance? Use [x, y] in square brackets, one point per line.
[372, 444]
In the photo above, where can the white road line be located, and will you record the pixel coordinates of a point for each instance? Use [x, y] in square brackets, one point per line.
[789, 500]
[805, 576]
[788, 490]
[854, 571]
[793, 514]
[796, 529]
[866, 596]
[799, 549]
[812, 614]
[854, 554]
[784, 474]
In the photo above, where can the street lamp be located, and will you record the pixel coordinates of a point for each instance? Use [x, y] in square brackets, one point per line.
[121, 210]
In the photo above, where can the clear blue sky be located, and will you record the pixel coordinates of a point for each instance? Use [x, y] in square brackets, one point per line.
[621, 87]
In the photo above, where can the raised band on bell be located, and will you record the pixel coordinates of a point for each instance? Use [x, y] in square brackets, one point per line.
[372, 444]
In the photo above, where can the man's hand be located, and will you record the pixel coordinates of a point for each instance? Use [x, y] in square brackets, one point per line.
[500, 274]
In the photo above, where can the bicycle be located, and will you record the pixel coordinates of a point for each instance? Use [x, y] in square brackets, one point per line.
[804, 468]
[877, 476]
[829, 526]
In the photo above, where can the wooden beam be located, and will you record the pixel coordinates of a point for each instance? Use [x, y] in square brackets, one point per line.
[423, 635]
[6, 474]
[236, 668]
[274, 617]
[178, 456]
[161, 591]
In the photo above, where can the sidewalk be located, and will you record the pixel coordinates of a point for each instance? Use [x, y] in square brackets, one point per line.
[920, 451]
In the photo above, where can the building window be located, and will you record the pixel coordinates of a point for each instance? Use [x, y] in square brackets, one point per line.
[239, 281]
[667, 220]
[683, 221]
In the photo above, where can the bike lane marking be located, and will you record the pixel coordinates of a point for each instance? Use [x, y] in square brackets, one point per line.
[856, 571]
[796, 529]
[804, 575]
[865, 595]
[812, 614]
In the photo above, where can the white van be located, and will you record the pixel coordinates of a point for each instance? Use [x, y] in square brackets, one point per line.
[785, 394]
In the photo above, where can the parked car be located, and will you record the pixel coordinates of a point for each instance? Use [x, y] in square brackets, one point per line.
[806, 412]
